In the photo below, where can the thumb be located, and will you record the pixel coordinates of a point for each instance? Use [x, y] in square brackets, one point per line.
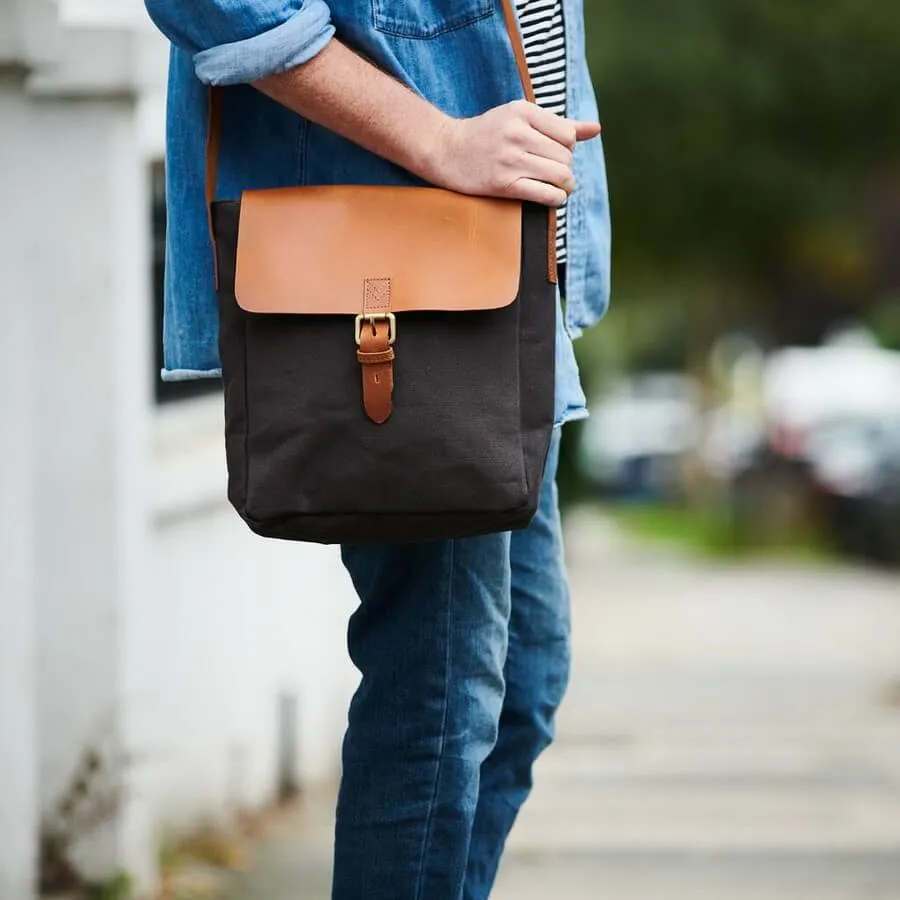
[585, 131]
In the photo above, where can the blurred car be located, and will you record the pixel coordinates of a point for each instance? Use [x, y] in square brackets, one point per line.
[855, 464]
[790, 393]
[806, 388]
[827, 451]
[634, 444]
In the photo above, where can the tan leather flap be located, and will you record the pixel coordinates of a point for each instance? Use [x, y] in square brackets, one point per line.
[314, 249]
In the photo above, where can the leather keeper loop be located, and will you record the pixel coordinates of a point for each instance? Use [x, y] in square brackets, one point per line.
[372, 359]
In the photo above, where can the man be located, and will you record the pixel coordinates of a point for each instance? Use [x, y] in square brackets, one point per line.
[463, 645]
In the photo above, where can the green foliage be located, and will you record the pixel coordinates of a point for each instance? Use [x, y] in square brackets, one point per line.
[744, 136]
[119, 887]
[884, 320]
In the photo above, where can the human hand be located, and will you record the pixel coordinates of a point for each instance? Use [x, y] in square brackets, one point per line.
[518, 151]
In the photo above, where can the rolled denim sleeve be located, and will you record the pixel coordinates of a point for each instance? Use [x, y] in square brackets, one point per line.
[237, 42]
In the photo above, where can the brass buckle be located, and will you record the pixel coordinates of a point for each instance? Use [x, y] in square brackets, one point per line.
[372, 318]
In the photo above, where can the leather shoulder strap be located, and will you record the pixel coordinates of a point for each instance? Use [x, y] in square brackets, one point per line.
[213, 146]
[515, 38]
[214, 134]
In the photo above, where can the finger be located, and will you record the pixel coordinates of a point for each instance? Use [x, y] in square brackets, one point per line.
[542, 169]
[533, 141]
[537, 192]
[553, 126]
[586, 131]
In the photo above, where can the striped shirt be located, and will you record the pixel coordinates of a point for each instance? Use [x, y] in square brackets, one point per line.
[544, 36]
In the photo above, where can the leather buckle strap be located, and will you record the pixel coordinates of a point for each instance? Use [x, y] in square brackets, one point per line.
[375, 335]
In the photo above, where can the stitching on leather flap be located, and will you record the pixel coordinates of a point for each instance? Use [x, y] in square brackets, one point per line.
[378, 295]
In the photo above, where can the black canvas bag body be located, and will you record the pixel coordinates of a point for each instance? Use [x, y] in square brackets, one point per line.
[388, 357]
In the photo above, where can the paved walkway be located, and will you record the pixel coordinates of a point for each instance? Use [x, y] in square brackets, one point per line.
[732, 733]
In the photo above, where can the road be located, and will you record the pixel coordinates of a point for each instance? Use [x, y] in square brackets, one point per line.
[732, 733]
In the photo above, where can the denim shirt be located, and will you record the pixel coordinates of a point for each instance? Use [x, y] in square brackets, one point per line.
[454, 53]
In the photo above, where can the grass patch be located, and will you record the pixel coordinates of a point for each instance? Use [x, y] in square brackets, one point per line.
[702, 531]
[714, 532]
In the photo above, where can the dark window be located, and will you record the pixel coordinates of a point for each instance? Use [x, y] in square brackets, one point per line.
[166, 391]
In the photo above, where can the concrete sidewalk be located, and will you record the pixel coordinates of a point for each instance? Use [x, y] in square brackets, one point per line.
[728, 735]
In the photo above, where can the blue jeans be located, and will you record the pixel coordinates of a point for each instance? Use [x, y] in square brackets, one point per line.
[464, 650]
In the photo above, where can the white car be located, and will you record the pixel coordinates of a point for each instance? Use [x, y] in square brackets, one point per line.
[639, 432]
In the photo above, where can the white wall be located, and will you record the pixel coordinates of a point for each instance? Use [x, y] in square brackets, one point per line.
[18, 806]
[84, 244]
[74, 233]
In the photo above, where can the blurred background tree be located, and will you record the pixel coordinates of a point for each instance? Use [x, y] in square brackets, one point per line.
[754, 157]
[753, 149]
